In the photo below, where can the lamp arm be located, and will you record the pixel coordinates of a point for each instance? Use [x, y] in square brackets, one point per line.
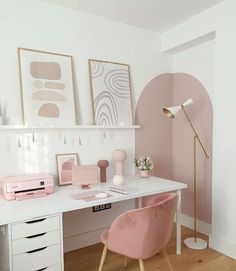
[196, 135]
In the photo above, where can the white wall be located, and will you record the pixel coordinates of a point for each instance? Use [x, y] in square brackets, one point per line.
[220, 19]
[199, 61]
[39, 25]
[193, 29]
[224, 175]
[43, 26]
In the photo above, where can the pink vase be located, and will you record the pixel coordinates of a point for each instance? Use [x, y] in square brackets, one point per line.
[143, 173]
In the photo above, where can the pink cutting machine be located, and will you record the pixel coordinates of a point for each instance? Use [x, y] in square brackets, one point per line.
[26, 186]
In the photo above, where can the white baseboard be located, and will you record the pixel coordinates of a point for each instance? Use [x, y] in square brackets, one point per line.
[202, 226]
[222, 245]
[82, 240]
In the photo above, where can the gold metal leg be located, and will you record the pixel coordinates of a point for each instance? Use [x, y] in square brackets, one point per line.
[167, 259]
[104, 253]
[126, 262]
[141, 264]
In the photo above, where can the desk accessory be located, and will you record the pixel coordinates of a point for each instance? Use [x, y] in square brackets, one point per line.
[84, 175]
[118, 179]
[119, 156]
[123, 189]
[144, 164]
[103, 164]
[194, 242]
[65, 163]
[101, 195]
[91, 195]
[83, 195]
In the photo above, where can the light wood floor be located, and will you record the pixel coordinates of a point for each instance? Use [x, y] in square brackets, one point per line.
[87, 259]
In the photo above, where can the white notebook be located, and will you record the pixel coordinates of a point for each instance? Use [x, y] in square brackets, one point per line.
[123, 189]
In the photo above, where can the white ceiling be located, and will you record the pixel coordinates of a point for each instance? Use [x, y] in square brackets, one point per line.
[157, 15]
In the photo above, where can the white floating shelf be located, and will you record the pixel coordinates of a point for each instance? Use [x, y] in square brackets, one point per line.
[53, 127]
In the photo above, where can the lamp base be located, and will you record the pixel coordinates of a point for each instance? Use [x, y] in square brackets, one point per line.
[198, 244]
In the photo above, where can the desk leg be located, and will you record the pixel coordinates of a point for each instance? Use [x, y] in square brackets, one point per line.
[178, 224]
[62, 245]
[139, 202]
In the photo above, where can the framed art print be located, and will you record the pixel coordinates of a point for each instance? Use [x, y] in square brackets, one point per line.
[47, 88]
[111, 94]
[65, 163]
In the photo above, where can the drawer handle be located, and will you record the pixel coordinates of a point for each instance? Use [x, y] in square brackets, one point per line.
[42, 269]
[36, 235]
[35, 221]
[36, 250]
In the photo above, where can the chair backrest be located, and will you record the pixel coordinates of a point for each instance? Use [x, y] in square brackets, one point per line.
[141, 233]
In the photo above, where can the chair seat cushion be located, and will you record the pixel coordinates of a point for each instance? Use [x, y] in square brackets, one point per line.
[104, 237]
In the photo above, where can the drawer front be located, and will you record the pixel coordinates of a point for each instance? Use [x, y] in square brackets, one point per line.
[33, 227]
[57, 267]
[33, 242]
[36, 260]
[53, 268]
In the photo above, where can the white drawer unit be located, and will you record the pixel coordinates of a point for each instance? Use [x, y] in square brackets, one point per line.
[36, 245]
[37, 226]
[35, 241]
[37, 259]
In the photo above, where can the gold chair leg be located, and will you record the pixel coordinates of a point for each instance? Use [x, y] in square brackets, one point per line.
[126, 262]
[104, 253]
[141, 265]
[167, 259]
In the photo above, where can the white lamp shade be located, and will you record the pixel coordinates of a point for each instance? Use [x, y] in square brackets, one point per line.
[188, 102]
[171, 111]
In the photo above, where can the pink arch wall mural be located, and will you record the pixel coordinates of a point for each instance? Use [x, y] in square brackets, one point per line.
[170, 142]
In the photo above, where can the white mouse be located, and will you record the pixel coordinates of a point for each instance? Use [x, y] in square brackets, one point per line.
[101, 195]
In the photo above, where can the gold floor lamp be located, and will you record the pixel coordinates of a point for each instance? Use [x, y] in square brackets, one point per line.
[193, 242]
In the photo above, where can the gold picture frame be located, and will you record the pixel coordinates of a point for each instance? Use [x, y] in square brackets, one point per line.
[47, 88]
[110, 87]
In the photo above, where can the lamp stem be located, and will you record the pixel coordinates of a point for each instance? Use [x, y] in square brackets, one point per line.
[196, 135]
[195, 243]
[195, 139]
[195, 188]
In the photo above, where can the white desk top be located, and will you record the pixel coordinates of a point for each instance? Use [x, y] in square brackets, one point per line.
[60, 201]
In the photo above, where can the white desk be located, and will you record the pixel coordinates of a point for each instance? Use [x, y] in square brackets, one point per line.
[60, 202]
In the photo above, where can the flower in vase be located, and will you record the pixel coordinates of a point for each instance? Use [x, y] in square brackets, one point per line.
[143, 163]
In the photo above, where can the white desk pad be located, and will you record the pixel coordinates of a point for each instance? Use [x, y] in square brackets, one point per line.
[90, 195]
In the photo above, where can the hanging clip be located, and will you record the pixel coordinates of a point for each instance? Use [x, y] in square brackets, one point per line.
[33, 137]
[65, 142]
[19, 142]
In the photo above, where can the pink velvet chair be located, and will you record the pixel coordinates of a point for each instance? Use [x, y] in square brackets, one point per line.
[142, 233]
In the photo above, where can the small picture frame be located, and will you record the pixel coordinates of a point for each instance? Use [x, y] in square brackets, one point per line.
[65, 163]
